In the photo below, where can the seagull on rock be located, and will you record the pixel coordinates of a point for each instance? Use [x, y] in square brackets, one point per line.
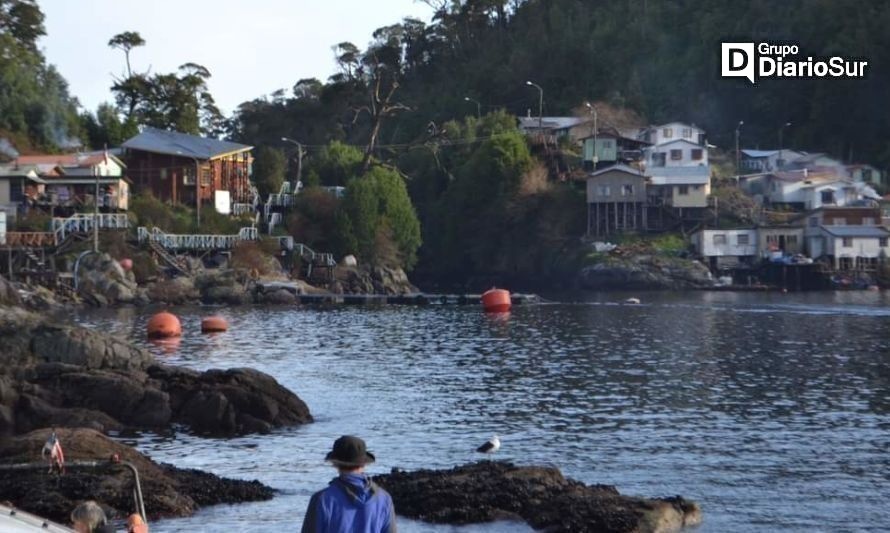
[491, 445]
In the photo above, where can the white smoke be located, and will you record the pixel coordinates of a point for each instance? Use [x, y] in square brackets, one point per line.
[7, 149]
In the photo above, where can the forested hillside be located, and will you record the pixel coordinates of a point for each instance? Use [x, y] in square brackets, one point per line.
[660, 57]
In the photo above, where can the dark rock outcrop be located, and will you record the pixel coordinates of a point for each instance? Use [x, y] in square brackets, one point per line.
[74, 377]
[488, 491]
[168, 491]
[645, 272]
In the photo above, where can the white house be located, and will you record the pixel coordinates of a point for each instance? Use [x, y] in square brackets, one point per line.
[79, 164]
[71, 179]
[725, 247]
[678, 153]
[866, 173]
[806, 189]
[850, 247]
[673, 131]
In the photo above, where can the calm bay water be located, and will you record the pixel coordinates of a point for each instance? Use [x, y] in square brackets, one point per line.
[772, 411]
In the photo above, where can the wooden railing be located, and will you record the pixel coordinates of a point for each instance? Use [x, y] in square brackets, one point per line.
[171, 241]
[28, 239]
[83, 223]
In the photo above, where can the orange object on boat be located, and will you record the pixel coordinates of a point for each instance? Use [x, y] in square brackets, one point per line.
[214, 324]
[126, 264]
[164, 325]
[496, 300]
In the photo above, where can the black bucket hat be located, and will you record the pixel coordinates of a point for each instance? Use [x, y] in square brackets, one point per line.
[349, 451]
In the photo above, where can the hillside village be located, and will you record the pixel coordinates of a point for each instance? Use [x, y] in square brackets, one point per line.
[807, 206]
[657, 179]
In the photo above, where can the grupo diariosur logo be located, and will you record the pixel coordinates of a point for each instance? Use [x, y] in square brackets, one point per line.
[765, 60]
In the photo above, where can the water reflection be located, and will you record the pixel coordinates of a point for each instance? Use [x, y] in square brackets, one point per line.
[770, 409]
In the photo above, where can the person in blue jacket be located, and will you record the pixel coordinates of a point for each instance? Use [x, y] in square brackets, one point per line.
[351, 502]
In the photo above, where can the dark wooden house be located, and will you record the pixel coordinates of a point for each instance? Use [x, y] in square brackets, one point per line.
[177, 167]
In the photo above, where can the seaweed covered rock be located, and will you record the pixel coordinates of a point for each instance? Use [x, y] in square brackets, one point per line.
[167, 491]
[542, 496]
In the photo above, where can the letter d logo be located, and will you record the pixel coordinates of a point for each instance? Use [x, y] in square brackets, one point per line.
[737, 60]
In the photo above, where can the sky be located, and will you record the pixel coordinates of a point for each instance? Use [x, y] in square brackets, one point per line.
[251, 48]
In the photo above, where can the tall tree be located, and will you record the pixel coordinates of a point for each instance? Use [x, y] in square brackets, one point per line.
[127, 41]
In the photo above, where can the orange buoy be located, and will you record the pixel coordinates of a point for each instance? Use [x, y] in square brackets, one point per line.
[496, 300]
[126, 264]
[214, 324]
[164, 325]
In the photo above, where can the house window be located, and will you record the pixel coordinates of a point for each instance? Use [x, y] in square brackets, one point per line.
[604, 190]
[667, 133]
[683, 189]
[839, 221]
[791, 239]
[205, 177]
[16, 192]
[847, 242]
[868, 221]
[676, 155]
[607, 143]
[697, 154]
[866, 175]
[827, 197]
[687, 133]
[882, 242]
[658, 159]
[814, 222]
[627, 190]
[772, 239]
[163, 173]
[742, 239]
[719, 238]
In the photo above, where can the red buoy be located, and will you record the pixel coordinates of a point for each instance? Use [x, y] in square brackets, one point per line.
[214, 324]
[496, 300]
[164, 325]
[126, 264]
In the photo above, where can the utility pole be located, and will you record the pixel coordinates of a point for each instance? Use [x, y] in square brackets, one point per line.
[737, 153]
[197, 187]
[96, 211]
[478, 105]
[540, 105]
[779, 162]
[299, 159]
[592, 109]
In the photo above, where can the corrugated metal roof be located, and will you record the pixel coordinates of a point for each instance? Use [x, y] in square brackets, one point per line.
[554, 123]
[176, 143]
[760, 153]
[697, 175]
[856, 231]
[617, 168]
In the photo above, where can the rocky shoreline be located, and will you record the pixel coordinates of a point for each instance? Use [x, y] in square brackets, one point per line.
[85, 384]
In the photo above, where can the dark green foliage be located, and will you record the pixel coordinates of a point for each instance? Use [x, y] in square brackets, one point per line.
[383, 222]
[34, 99]
[336, 164]
[105, 128]
[268, 169]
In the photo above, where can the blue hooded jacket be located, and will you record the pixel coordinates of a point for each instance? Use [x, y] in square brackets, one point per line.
[350, 503]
